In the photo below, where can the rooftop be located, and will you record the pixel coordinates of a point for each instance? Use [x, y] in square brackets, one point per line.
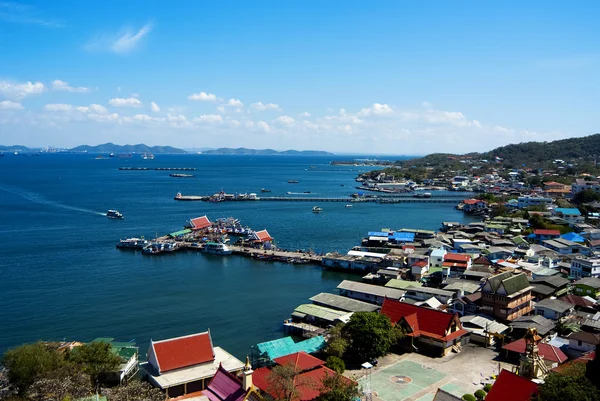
[554, 305]
[509, 386]
[343, 303]
[546, 351]
[371, 289]
[322, 312]
[180, 352]
[593, 282]
[403, 284]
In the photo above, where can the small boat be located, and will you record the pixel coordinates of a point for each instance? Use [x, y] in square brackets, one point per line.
[114, 214]
[292, 181]
[132, 243]
[148, 156]
[178, 175]
[306, 192]
[349, 205]
[216, 248]
[265, 190]
[317, 209]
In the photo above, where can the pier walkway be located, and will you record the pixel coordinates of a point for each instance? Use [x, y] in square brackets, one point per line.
[310, 257]
[386, 199]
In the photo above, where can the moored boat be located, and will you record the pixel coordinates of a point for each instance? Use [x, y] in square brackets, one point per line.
[265, 190]
[132, 243]
[317, 209]
[292, 181]
[216, 248]
[348, 205]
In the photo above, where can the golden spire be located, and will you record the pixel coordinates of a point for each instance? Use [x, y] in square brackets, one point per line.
[247, 366]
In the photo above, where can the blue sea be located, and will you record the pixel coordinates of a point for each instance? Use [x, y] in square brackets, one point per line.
[62, 277]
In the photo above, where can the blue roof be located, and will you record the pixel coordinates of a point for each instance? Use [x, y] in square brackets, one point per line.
[378, 234]
[573, 237]
[568, 211]
[286, 346]
[405, 237]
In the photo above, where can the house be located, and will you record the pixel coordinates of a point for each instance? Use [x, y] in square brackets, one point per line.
[455, 264]
[483, 330]
[419, 269]
[368, 292]
[581, 185]
[540, 235]
[128, 352]
[428, 330]
[569, 214]
[462, 287]
[553, 309]
[186, 364]
[509, 386]
[473, 205]
[466, 305]
[403, 284]
[346, 304]
[529, 201]
[310, 373]
[496, 253]
[436, 258]
[543, 326]
[556, 284]
[580, 303]
[584, 341]
[262, 238]
[319, 315]
[225, 386]
[589, 286]
[585, 267]
[551, 355]
[424, 293]
[200, 223]
[506, 296]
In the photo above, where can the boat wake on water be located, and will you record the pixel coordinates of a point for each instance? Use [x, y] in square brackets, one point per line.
[37, 198]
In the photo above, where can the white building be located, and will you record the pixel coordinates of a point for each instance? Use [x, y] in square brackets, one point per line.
[436, 258]
[581, 185]
[585, 267]
[584, 341]
[528, 201]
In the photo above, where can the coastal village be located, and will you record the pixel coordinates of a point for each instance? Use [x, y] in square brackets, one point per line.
[485, 310]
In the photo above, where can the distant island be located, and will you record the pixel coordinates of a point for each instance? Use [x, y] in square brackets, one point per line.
[260, 152]
[140, 148]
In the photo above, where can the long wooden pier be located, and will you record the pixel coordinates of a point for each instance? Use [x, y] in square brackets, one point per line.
[387, 199]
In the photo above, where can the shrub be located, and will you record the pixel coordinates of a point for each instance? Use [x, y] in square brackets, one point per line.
[487, 388]
[336, 364]
[469, 397]
[480, 394]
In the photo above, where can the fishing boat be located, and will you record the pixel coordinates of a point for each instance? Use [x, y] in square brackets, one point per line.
[265, 190]
[292, 181]
[216, 248]
[349, 205]
[148, 156]
[317, 209]
[114, 214]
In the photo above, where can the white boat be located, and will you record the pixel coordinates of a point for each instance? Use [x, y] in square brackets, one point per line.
[135, 243]
[349, 205]
[114, 214]
[216, 248]
[148, 156]
[317, 209]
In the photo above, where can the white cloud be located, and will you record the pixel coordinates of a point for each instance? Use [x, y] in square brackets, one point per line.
[93, 108]
[211, 118]
[306, 114]
[8, 105]
[58, 107]
[263, 125]
[59, 85]
[125, 102]
[122, 42]
[262, 107]
[154, 107]
[376, 110]
[221, 109]
[235, 103]
[285, 120]
[18, 91]
[426, 104]
[203, 97]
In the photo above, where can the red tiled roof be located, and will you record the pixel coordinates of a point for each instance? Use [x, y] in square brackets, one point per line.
[301, 361]
[200, 222]
[224, 386]
[482, 260]
[185, 351]
[547, 232]
[577, 300]
[547, 351]
[454, 264]
[420, 263]
[423, 321]
[456, 257]
[263, 236]
[472, 201]
[585, 358]
[509, 386]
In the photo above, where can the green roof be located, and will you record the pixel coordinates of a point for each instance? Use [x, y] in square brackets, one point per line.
[515, 283]
[518, 240]
[180, 232]
[498, 226]
[320, 312]
[286, 346]
[496, 280]
[402, 284]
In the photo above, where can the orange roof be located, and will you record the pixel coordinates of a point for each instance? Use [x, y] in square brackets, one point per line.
[301, 360]
[509, 386]
[457, 257]
[200, 222]
[546, 351]
[547, 232]
[472, 201]
[181, 352]
[263, 236]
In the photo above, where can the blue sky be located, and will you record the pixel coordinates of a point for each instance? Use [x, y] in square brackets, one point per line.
[353, 76]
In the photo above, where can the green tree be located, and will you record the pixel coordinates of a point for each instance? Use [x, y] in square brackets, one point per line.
[135, 391]
[336, 343]
[96, 359]
[570, 384]
[284, 382]
[370, 335]
[28, 362]
[336, 364]
[536, 221]
[338, 388]
[66, 382]
[586, 196]
[487, 387]
[468, 397]
[480, 394]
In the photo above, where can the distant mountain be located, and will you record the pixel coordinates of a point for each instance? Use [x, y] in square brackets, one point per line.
[260, 152]
[140, 148]
[17, 148]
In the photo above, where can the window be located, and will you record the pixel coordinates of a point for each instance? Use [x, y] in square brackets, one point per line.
[579, 343]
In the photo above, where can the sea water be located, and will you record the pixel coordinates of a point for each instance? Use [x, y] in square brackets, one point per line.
[61, 277]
